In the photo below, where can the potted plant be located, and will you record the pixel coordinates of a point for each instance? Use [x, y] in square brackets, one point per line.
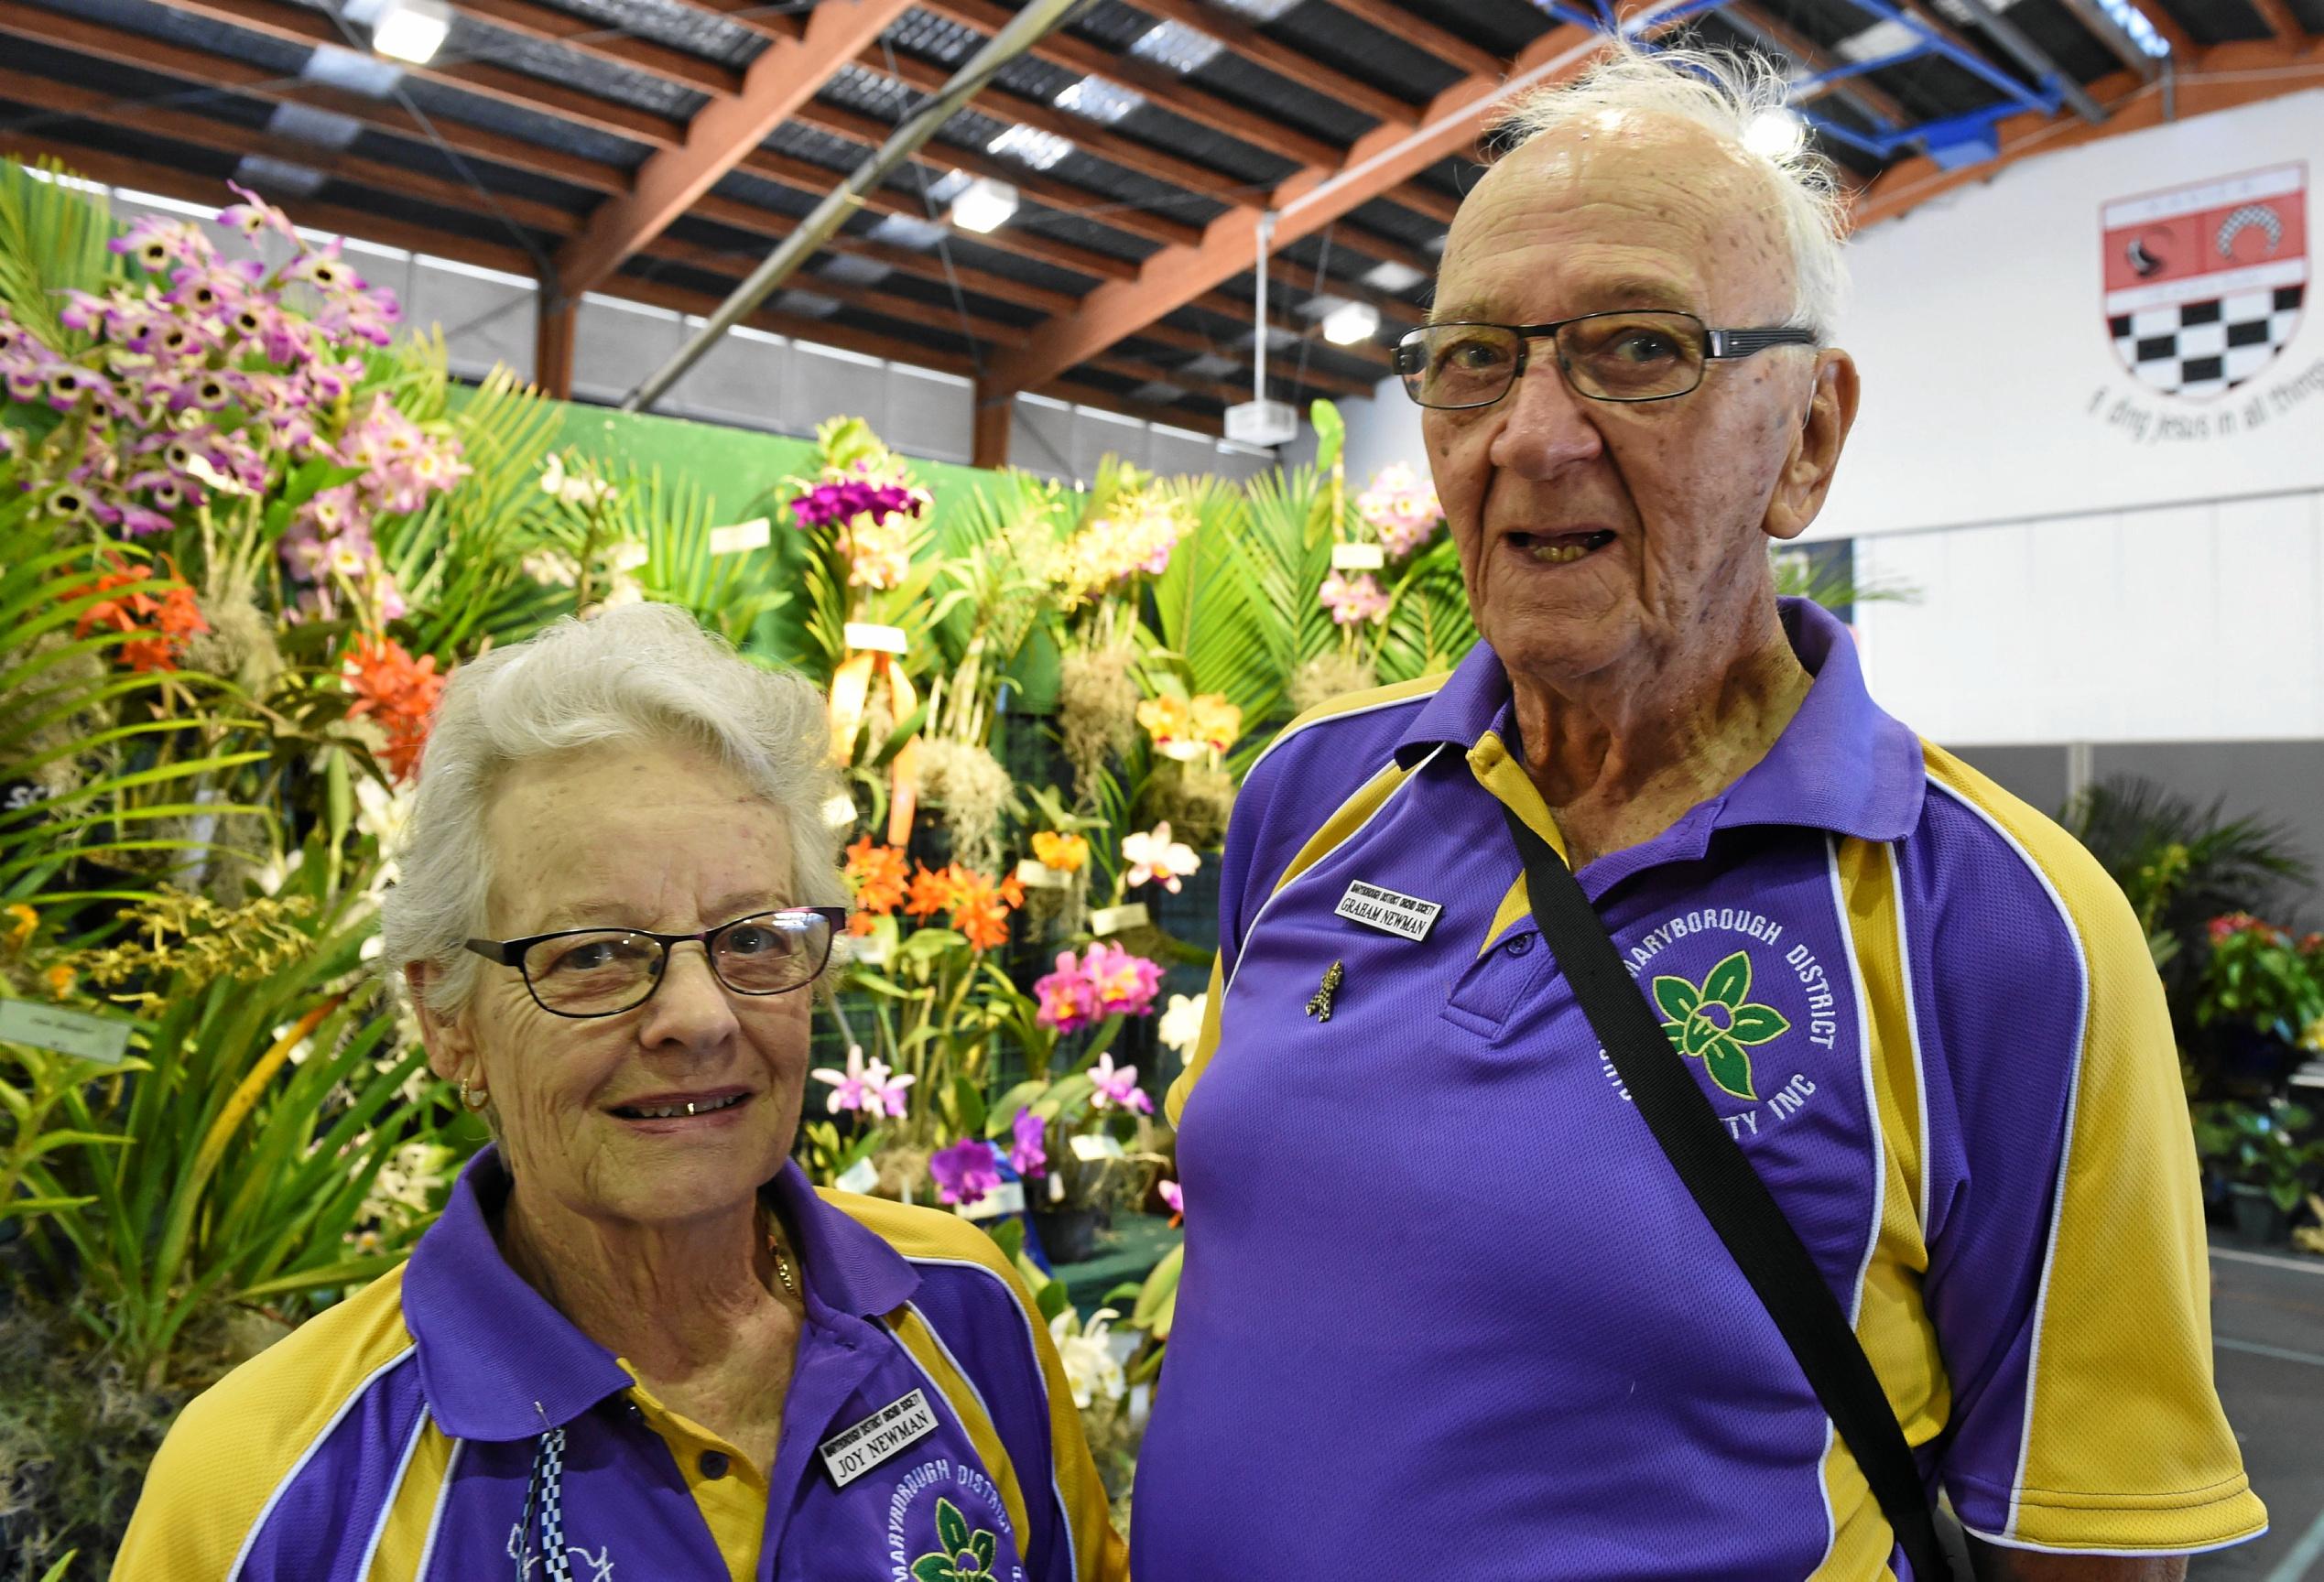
[2263, 993]
[2265, 1154]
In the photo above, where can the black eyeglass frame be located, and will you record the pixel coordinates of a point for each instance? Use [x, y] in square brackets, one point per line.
[511, 953]
[1719, 345]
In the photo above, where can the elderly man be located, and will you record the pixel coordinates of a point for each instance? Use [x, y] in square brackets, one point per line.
[1448, 1310]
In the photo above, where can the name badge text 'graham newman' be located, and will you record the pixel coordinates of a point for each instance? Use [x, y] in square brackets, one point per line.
[1408, 916]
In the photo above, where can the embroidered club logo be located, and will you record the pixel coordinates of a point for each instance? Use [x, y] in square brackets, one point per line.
[946, 1522]
[962, 1554]
[2204, 284]
[1715, 1021]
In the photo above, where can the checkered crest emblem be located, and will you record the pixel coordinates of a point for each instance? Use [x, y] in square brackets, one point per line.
[2204, 283]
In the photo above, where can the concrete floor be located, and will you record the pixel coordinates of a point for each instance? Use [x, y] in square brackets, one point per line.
[2267, 1321]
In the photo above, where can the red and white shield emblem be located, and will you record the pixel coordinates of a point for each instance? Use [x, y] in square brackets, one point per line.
[2204, 283]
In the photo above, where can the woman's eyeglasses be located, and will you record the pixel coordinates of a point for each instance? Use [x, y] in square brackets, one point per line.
[582, 972]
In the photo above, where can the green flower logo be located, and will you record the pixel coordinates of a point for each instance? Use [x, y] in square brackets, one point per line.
[1717, 1024]
[965, 1557]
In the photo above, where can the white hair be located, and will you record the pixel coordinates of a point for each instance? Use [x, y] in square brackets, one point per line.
[635, 672]
[1741, 101]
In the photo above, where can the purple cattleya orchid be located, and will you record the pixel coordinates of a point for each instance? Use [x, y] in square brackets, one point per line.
[1026, 1156]
[965, 1171]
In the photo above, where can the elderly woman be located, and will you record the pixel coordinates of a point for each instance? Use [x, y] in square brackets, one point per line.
[637, 1345]
[1507, 1343]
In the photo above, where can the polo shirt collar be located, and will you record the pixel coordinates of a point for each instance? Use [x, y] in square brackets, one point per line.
[498, 1362]
[1842, 764]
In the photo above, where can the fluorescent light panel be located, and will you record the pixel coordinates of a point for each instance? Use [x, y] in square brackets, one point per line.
[1096, 99]
[1355, 323]
[985, 205]
[1392, 277]
[351, 72]
[411, 30]
[1176, 46]
[1031, 146]
[907, 231]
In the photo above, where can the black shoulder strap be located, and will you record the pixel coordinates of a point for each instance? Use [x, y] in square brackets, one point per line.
[1732, 1197]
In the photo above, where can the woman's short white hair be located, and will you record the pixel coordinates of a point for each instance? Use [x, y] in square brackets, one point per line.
[635, 672]
[1741, 101]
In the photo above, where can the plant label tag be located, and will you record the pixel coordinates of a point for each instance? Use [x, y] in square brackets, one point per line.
[1408, 916]
[754, 533]
[1008, 1197]
[1091, 1150]
[851, 1452]
[1035, 874]
[859, 1178]
[875, 639]
[1117, 919]
[1358, 558]
[868, 949]
[98, 1039]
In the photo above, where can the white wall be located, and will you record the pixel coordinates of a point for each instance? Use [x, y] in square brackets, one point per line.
[2096, 559]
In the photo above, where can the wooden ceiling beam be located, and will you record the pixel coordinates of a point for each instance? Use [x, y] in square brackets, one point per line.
[732, 267]
[1165, 88]
[198, 131]
[293, 23]
[1426, 201]
[112, 45]
[1287, 62]
[1425, 35]
[1311, 378]
[785, 76]
[940, 158]
[740, 216]
[1087, 136]
[545, 24]
[808, 177]
[1380, 160]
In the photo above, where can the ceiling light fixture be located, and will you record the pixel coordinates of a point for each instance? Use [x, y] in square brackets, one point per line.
[985, 205]
[1036, 147]
[1355, 323]
[411, 30]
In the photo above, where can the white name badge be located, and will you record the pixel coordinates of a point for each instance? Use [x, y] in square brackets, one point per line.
[1406, 916]
[851, 1452]
[1358, 558]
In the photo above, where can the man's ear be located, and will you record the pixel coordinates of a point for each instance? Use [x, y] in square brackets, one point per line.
[1815, 452]
[451, 1051]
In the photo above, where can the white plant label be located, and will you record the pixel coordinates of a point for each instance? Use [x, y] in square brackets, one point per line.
[1358, 558]
[754, 533]
[1117, 919]
[98, 1039]
[874, 639]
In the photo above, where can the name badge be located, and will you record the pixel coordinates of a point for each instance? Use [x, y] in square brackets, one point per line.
[1406, 916]
[851, 1452]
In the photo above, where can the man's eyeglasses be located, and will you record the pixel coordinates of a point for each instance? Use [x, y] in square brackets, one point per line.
[580, 972]
[1630, 355]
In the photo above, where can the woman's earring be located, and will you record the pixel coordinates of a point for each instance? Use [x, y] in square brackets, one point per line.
[472, 1101]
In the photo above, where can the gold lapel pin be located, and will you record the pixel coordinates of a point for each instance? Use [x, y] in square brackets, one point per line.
[1320, 1002]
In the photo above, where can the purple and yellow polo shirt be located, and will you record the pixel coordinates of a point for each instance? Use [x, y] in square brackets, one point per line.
[391, 1438]
[1446, 1305]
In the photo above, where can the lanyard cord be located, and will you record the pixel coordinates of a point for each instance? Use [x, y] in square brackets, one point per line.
[544, 1491]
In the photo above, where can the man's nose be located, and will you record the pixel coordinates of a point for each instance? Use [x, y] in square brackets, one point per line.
[1545, 427]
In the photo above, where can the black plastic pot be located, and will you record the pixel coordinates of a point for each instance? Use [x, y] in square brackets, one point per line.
[2257, 1219]
[1069, 1235]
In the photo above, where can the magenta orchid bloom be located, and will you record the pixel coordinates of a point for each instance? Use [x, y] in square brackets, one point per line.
[1026, 1156]
[1067, 999]
[1118, 1086]
[851, 1089]
[964, 1172]
[1174, 1195]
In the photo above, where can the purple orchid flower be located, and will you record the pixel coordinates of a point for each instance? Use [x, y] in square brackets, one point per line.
[965, 1171]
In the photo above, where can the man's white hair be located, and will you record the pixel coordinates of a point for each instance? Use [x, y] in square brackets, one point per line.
[1740, 100]
[637, 673]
